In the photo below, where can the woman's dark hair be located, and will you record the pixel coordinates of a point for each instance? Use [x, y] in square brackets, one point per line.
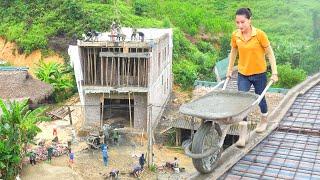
[244, 11]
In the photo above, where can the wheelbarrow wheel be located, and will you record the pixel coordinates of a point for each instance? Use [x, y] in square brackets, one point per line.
[206, 138]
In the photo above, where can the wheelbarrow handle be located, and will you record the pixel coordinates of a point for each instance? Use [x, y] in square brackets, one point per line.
[219, 84]
[225, 83]
[263, 93]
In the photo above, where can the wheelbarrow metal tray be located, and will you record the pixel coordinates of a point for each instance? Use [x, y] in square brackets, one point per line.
[220, 104]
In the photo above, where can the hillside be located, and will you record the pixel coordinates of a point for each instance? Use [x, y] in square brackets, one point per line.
[202, 28]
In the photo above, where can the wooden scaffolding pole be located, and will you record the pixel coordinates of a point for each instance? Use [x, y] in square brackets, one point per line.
[95, 66]
[138, 72]
[149, 127]
[130, 110]
[123, 71]
[128, 70]
[89, 63]
[111, 80]
[88, 66]
[84, 65]
[148, 71]
[118, 71]
[101, 72]
[134, 70]
[107, 60]
[91, 66]
[145, 72]
[102, 111]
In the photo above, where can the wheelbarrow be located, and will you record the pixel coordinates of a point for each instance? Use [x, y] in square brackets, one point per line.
[218, 110]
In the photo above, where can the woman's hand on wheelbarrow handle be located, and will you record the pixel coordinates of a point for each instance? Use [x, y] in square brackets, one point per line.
[226, 83]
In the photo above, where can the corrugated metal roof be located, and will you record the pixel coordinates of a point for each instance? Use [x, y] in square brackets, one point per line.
[292, 151]
[11, 68]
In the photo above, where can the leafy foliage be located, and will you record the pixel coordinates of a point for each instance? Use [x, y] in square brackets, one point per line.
[186, 73]
[18, 127]
[289, 77]
[58, 76]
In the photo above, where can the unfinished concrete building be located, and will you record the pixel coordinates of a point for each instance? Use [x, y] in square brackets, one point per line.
[124, 78]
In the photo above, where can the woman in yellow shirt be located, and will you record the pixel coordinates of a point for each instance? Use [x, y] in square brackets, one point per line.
[252, 45]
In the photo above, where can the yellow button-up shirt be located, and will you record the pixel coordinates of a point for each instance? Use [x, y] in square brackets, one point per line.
[251, 52]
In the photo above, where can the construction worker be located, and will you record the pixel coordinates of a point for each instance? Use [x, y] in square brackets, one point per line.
[32, 158]
[115, 137]
[142, 161]
[105, 155]
[253, 45]
[55, 131]
[71, 158]
[50, 152]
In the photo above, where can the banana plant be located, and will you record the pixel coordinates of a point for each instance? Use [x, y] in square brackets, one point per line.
[57, 75]
[18, 127]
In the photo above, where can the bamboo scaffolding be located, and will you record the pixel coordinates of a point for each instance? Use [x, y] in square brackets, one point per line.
[102, 71]
[84, 66]
[129, 74]
[111, 80]
[138, 72]
[91, 66]
[134, 70]
[123, 72]
[118, 71]
[95, 66]
[130, 110]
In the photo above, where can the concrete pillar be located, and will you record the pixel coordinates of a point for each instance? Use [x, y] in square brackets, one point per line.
[140, 111]
[92, 109]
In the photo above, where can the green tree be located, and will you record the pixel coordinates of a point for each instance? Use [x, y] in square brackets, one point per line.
[186, 73]
[18, 127]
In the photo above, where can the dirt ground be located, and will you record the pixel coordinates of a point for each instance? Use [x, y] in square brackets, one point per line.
[88, 163]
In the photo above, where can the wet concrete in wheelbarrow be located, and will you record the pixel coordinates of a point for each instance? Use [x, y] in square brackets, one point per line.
[219, 104]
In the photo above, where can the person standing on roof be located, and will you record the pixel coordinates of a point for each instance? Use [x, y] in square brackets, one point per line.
[252, 45]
